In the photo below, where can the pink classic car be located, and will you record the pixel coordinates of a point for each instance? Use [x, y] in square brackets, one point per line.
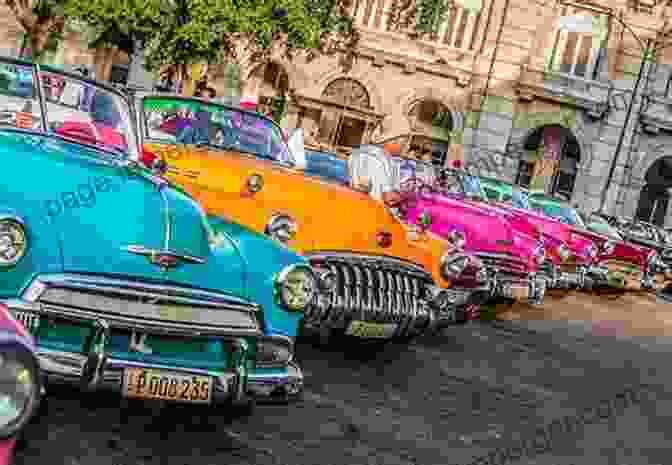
[568, 257]
[511, 258]
[617, 259]
[20, 382]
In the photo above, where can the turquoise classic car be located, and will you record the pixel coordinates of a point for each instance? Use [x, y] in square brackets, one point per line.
[122, 279]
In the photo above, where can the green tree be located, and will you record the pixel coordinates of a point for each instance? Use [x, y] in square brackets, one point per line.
[42, 21]
[179, 33]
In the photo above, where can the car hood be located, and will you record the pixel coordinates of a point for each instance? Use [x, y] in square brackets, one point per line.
[622, 250]
[484, 230]
[97, 209]
[578, 244]
[330, 217]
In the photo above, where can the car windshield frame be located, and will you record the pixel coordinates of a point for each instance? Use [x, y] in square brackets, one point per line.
[46, 107]
[143, 128]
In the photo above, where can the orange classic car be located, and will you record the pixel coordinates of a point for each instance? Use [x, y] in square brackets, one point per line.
[388, 281]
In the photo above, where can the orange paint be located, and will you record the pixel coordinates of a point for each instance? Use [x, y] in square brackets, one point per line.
[329, 217]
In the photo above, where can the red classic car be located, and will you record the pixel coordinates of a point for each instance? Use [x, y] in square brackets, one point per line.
[617, 259]
[20, 382]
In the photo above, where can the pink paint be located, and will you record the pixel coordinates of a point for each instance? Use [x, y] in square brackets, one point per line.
[7, 451]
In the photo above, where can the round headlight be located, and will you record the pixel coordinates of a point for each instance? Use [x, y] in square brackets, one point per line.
[13, 241]
[297, 287]
[452, 265]
[282, 228]
[591, 251]
[457, 238]
[563, 252]
[19, 388]
[540, 254]
[653, 260]
[608, 248]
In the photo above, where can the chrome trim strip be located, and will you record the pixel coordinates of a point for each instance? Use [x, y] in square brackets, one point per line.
[141, 250]
[137, 289]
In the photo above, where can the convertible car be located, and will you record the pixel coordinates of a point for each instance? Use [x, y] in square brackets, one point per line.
[619, 260]
[123, 280]
[20, 382]
[510, 253]
[391, 282]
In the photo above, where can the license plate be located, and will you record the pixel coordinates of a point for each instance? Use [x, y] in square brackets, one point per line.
[142, 383]
[520, 292]
[371, 330]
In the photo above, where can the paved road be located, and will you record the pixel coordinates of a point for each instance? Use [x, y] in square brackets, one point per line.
[444, 400]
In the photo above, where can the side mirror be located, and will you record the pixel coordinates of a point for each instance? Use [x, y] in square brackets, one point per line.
[297, 149]
[362, 185]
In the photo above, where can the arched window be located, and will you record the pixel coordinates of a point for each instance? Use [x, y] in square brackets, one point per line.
[430, 122]
[339, 125]
[271, 84]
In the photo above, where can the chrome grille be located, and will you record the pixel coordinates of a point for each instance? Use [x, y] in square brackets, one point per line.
[372, 289]
[504, 264]
[139, 306]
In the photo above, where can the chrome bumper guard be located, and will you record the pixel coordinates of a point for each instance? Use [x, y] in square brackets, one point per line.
[97, 370]
[281, 377]
[452, 306]
[568, 280]
[536, 289]
[277, 386]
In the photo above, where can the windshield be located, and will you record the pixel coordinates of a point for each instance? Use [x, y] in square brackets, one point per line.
[178, 120]
[600, 225]
[76, 109]
[563, 213]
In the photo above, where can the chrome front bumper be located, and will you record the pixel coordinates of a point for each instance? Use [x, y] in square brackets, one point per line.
[70, 368]
[567, 279]
[282, 385]
[536, 289]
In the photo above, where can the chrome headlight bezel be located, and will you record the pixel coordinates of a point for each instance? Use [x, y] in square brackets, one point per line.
[608, 247]
[563, 252]
[281, 227]
[591, 251]
[452, 265]
[9, 224]
[12, 348]
[539, 253]
[653, 261]
[457, 239]
[285, 283]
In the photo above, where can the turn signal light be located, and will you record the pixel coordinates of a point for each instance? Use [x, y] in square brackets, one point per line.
[148, 158]
[384, 239]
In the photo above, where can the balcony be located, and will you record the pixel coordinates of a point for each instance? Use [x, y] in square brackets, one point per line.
[584, 94]
[657, 113]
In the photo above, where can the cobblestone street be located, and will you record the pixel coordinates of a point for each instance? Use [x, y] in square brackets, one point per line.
[445, 400]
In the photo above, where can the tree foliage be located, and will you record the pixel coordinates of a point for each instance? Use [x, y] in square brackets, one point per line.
[214, 31]
[41, 20]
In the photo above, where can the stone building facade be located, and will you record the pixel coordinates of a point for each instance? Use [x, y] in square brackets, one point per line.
[536, 92]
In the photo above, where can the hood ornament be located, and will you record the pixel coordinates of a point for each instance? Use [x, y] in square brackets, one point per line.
[166, 259]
